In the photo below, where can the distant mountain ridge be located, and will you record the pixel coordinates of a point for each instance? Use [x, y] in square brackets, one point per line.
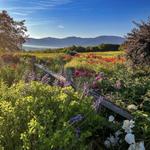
[78, 41]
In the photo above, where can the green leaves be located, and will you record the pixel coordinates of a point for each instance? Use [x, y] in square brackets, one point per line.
[36, 116]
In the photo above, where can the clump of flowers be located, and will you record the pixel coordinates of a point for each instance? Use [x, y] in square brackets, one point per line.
[100, 76]
[128, 125]
[111, 141]
[132, 107]
[130, 137]
[85, 89]
[82, 73]
[111, 118]
[118, 85]
[96, 104]
[76, 119]
[78, 132]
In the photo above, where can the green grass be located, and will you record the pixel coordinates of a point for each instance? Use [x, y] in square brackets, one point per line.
[107, 54]
[55, 55]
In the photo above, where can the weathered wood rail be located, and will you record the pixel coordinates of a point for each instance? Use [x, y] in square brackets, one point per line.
[104, 102]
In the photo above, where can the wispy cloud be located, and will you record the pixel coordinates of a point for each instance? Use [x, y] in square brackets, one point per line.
[60, 26]
[37, 23]
[19, 13]
[34, 5]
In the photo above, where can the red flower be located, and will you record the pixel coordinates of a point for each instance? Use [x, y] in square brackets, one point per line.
[13, 66]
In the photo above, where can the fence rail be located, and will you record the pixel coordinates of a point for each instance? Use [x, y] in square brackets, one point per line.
[104, 102]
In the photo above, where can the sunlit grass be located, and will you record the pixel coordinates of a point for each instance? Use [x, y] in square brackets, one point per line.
[107, 54]
[53, 55]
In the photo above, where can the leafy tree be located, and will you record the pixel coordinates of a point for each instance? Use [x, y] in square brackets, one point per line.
[12, 33]
[137, 44]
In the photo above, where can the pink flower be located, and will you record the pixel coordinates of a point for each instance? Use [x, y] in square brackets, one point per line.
[118, 85]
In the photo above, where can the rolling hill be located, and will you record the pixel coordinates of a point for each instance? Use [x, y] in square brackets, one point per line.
[50, 42]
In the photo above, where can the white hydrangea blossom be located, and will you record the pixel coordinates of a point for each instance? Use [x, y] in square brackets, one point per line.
[111, 141]
[137, 146]
[117, 133]
[131, 147]
[107, 143]
[128, 125]
[130, 138]
[140, 146]
[111, 118]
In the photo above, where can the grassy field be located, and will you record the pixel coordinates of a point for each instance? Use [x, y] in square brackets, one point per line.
[43, 55]
[50, 55]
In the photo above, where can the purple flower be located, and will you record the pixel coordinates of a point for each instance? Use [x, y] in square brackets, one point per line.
[67, 83]
[100, 76]
[31, 76]
[118, 85]
[76, 119]
[60, 83]
[97, 103]
[85, 89]
[78, 132]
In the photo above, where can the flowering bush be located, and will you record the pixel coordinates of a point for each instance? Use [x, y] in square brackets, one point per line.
[38, 116]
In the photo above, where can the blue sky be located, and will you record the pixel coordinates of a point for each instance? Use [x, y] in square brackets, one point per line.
[84, 18]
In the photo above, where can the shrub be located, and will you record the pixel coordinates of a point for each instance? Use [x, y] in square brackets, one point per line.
[36, 116]
[137, 44]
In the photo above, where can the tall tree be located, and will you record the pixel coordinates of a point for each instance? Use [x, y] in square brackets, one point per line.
[12, 33]
[137, 44]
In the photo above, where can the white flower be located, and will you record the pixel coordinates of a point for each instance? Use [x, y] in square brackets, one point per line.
[132, 107]
[113, 140]
[137, 146]
[140, 146]
[130, 138]
[117, 133]
[132, 124]
[111, 118]
[132, 147]
[128, 125]
[107, 143]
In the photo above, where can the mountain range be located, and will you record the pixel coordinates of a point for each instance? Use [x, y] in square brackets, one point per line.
[50, 42]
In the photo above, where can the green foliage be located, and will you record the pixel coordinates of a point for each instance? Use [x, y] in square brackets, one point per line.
[35, 116]
[11, 73]
[133, 86]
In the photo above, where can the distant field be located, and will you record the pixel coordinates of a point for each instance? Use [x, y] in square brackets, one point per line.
[54, 55]
[107, 54]
[91, 61]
